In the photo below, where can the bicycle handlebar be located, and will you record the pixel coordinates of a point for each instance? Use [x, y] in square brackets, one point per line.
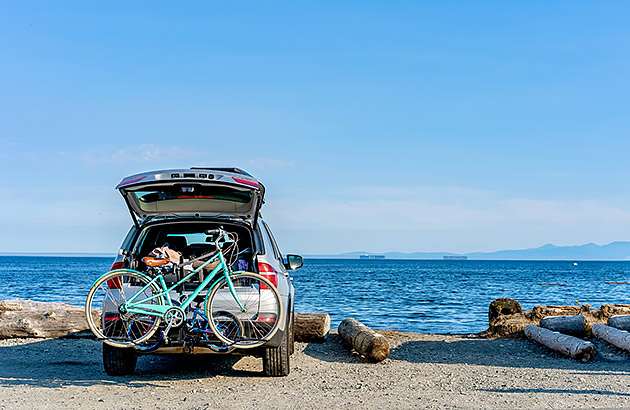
[214, 231]
[220, 234]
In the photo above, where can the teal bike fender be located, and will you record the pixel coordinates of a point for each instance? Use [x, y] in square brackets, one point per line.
[232, 291]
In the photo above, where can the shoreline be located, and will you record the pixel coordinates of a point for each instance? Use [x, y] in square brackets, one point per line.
[333, 258]
[422, 371]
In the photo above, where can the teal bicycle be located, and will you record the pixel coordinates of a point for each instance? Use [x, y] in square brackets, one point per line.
[128, 308]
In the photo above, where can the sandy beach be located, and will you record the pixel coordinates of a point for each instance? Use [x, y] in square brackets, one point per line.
[422, 371]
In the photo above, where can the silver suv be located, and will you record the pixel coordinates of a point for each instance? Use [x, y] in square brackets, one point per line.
[174, 208]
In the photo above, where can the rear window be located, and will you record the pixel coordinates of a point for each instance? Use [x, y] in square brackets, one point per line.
[188, 238]
[192, 197]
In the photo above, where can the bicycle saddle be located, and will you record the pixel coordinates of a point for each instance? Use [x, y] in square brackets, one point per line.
[153, 262]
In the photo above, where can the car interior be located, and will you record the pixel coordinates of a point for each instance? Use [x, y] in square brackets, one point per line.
[191, 241]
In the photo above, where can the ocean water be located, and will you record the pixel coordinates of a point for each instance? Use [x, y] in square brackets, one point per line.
[407, 295]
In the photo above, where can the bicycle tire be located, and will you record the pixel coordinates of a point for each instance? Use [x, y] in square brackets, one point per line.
[115, 328]
[263, 315]
[226, 323]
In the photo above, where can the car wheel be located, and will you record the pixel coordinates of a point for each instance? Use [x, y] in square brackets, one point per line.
[276, 359]
[119, 361]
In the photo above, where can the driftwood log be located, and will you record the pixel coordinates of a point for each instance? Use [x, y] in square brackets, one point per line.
[620, 322]
[567, 345]
[26, 318]
[364, 340]
[311, 327]
[512, 324]
[616, 337]
[569, 325]
[503, 307]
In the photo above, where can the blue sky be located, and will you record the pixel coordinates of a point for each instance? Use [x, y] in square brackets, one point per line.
[376, 126]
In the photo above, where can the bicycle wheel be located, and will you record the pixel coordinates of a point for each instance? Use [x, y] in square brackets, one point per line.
[108, 321]
[152, 343]
[262, 313]
[226, 324]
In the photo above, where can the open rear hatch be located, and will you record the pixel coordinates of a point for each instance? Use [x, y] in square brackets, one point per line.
[196, 192]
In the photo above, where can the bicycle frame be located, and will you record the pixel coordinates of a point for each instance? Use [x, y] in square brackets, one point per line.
[197, 313]
[141, 307]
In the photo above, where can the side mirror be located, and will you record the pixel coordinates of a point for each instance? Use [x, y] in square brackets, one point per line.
[294, 262]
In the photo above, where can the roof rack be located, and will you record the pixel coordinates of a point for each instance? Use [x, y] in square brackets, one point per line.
[232, 170]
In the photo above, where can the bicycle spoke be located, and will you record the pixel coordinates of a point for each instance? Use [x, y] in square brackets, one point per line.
[262, 307]
[108, 295]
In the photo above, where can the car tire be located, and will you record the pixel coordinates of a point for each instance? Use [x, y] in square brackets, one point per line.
[276, 360]
[292, 333]
[119, 361]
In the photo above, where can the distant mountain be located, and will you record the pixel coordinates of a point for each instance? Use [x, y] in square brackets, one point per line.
[589, 251]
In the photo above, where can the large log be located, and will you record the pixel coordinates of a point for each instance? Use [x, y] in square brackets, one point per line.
[364, 340]
[539, 312]
[311, 327]
[567, 345]
[26, 318]
[503, 307]
[620, 322]
[606, 311]
[616, 337]
[569, 325]
[512, 323]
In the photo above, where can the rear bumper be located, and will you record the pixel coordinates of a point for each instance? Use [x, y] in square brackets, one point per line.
[176, 349]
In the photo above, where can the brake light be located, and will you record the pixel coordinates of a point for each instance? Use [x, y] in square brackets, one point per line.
[128, 181]
[246, 182]
[268, 272]
[265, 319]
[115, 283]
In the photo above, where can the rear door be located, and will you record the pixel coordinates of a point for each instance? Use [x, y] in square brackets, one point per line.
[192, 193]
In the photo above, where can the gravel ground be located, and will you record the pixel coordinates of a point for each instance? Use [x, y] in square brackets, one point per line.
[423, 371]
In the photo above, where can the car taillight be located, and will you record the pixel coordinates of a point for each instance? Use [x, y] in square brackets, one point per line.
[115, 283]
[245, 182]
[268, 272]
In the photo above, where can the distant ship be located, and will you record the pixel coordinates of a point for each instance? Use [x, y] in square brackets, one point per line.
[454, 258]
[371, 256]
